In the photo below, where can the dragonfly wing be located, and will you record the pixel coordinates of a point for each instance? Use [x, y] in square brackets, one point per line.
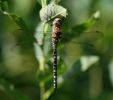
[87, 40]
[68, 36]
[23, 38]
[47, 43]
[86, 43]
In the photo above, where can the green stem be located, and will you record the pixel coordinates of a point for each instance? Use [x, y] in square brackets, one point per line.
[44, 2]
[42, 64]
[41, 83]
[42, 90]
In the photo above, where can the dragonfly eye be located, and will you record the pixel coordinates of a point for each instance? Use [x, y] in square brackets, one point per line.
[57, 21]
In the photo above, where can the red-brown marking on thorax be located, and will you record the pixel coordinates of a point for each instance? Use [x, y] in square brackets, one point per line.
[56, 27]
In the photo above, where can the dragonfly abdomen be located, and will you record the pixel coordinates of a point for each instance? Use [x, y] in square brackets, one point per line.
[56, 34]
[55, 68]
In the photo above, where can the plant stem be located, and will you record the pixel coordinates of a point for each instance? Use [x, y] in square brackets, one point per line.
[44, 2]
[42, 90]
[42, 64]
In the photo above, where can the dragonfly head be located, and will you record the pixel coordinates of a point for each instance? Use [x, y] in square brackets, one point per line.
[57, 22]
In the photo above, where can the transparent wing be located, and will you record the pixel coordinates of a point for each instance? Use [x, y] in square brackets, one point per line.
[22, 40]
[86, 42]
[70, 49]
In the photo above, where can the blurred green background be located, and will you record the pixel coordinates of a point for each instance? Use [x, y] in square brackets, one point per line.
[85, 68]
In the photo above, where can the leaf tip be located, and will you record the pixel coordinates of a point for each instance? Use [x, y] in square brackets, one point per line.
[97, 14]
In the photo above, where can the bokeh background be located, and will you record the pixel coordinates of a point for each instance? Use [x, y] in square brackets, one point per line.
[85, 68]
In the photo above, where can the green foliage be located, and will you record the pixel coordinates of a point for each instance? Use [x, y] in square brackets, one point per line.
[82, 57]
[9, 89]
[3, 6]
[52, 11]
[19, 21]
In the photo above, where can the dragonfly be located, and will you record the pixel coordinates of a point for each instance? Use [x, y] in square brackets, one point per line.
[56, 38]
[56, 34]
[60, 39]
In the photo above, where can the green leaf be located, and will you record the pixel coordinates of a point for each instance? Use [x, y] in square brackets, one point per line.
[81, 65]
[10, 90]
[47, 39]
[41, 30]
[110, 68]
[61, 70]
[74, 70]
[61, 67]
[48, 93]
[96, 15]
[39, 1]
[40, 56]
[52, 11]
[88, 61]
[3, 6]
[19, 21]
[78, 30]
[47, 44]
[39, 33]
